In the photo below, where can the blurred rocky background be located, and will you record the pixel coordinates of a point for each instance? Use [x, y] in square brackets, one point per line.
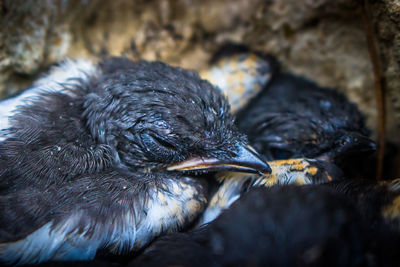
[321, 39]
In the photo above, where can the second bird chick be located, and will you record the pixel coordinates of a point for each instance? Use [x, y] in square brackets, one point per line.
[288, 116]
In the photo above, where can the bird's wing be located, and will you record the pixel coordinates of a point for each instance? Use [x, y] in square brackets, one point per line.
[378, 201]
[110, 210]
[49, 143]
[69, 71]
[46, 140]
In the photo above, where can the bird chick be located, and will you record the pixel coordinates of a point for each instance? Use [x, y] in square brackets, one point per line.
[293, 117]
[277, 226]
[290, 117]
[106, 161]
[287, 116]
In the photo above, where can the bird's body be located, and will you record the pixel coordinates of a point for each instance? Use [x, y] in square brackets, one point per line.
[377, 201]
[378, 206]
[277, 226]
[340, 223]
[100, 163]
[73, 220]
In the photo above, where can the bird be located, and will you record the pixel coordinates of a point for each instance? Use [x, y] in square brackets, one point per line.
[287, 225]
[294, 117]
[111, 159]
[286, 116]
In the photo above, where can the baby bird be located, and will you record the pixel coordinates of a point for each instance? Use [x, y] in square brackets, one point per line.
[293, 117]
[287, 116]
[105, 160]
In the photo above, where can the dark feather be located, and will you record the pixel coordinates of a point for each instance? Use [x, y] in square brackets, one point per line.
[279, 226]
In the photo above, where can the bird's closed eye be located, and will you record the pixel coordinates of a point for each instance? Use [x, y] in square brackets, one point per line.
[157, 147]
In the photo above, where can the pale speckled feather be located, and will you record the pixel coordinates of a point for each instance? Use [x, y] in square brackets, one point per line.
[240, 77]
[291, 171]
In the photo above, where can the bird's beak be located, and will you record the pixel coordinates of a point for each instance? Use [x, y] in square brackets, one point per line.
[246, 160]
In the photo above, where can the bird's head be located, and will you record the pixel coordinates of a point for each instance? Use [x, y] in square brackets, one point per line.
[347, 145]
[160, 117]
[295, 118]
[295, 136]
